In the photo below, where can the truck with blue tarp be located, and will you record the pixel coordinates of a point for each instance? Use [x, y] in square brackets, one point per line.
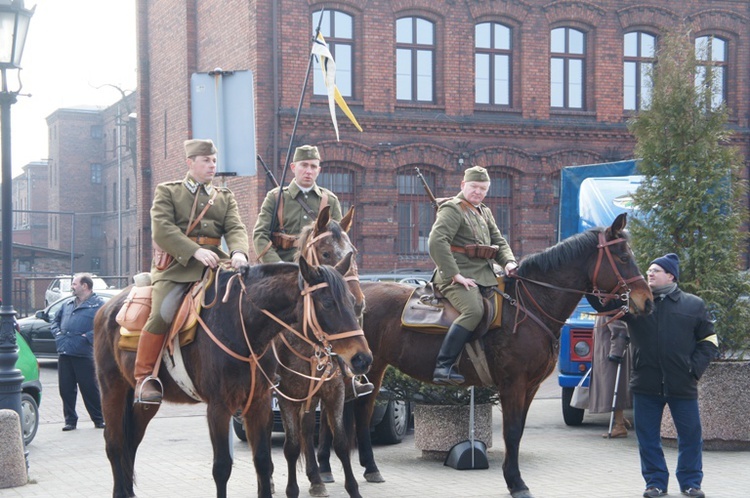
[590, 196]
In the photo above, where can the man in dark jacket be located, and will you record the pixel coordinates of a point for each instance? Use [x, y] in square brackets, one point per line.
[672, 347]
[73, 328]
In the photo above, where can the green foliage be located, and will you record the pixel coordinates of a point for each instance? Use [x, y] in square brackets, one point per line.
[406, 388]
[691, 201]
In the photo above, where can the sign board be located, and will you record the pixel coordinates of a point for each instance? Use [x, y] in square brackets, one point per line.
[223, 109]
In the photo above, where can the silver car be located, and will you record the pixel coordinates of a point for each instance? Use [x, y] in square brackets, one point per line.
[60, 287]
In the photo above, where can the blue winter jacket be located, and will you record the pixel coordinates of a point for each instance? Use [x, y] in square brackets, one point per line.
[73, 327]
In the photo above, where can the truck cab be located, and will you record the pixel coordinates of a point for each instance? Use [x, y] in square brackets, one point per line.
[591, 195]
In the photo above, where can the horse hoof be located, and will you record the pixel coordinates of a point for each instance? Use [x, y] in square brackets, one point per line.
[318, 490]
[327, 477]
[374, 477]
[524, 493]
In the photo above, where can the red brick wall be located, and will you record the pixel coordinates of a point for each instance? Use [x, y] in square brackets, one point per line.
[530, 141]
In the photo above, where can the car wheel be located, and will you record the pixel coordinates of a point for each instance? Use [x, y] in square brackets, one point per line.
[30, 417]
[571, 415]
[393, 427]
[239, 428]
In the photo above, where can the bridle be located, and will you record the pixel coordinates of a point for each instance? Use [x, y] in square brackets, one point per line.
[310, 324]
[621, 291]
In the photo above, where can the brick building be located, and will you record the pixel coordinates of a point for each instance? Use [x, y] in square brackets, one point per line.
[522, 87]
[91, 186]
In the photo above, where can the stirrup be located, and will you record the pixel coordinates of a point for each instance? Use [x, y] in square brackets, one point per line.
[365, 387]
[139, 392]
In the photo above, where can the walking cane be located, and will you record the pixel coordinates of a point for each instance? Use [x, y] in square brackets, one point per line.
[614, 399]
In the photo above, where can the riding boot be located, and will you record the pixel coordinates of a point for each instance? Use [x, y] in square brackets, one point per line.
[452, 346]
[148, 389]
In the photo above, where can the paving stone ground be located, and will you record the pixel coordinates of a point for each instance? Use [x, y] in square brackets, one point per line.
[174, 460]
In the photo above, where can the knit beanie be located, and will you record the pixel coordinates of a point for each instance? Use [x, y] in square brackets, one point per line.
[670, 263]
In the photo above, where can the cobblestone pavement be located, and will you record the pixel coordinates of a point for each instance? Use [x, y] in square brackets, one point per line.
[175, 460]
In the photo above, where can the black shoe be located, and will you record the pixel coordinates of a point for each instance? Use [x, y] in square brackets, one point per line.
[69, 427]
[99, 425]
[652, 492]
[694, 492]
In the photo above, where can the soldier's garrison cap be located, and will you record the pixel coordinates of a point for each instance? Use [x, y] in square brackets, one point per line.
[199, 147]
[306, 153]
[476, 174]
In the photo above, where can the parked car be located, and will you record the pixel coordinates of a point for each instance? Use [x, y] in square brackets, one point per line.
[60, 287]
[409, 276]
[36, 330]
[31, 389]
[391, 420]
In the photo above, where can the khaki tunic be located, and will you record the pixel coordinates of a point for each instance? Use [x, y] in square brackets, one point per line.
[458, 227]
[295, 218]
[170, 214]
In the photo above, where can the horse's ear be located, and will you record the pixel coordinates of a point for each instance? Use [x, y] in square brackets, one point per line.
[309, 273]
[343, 266]
[321, 224]
[618, 225]
[347, 220]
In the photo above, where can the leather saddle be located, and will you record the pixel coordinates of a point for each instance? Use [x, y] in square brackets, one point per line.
[429, 312]
[184, 323]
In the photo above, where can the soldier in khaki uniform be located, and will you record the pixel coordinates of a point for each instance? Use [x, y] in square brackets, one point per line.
[176, 205]
[301, 201]
[464, 243]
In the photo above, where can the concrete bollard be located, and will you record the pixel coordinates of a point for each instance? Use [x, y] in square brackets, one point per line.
[12, 461]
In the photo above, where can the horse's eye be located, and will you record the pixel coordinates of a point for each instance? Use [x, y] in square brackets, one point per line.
[326, 255]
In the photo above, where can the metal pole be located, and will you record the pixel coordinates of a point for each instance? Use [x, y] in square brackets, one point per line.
[119, 191]
[10, 376]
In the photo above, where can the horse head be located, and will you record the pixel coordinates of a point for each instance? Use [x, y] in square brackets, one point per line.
[616, 274]
[347, 267]
[325, 241]
[329, 310]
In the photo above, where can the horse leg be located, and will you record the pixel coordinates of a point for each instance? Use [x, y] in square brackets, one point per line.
[291, 422]
[258, 425]
[342, 445]
[218, 427]
[363, 408]
[307, 433]
[515, 404]
[325, 440]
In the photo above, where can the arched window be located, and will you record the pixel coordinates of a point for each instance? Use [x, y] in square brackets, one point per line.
[500, 199]
[711, 54]
[340, 180]
[639, 49]
[415, 212]
[338, 30]
[492, 61]
[415, 59]
[567, 68]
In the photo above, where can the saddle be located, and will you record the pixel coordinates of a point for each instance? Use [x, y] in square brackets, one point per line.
[134, 313]
[429, 312]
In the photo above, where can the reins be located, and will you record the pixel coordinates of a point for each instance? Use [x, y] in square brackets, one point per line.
[604, 297]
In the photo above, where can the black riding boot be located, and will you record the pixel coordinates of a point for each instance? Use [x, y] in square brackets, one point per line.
[452, 346]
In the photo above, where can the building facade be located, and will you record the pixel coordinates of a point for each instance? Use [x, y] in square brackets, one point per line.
[522, 87]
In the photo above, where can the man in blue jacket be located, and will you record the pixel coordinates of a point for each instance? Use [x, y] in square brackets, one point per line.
[672, 347]
[73, 329]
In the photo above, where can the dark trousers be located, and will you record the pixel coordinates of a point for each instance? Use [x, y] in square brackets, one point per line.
[647, 414]
[74, 372]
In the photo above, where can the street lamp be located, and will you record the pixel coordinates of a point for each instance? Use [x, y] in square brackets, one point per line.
[14, 25]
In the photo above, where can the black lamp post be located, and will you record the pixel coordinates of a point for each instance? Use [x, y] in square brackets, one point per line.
[14, 24]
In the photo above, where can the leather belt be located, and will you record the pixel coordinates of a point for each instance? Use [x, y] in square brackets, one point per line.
[206, 241]
[458, 249]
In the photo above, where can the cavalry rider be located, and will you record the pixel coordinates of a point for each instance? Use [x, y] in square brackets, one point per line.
[300, 204]
[464, 243]
[177, 205]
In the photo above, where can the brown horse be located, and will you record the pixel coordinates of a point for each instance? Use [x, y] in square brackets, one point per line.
[224, 370]
[304, 381]
[520, 354]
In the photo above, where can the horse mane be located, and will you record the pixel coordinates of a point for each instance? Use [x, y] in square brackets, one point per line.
[339, 290]
[565, 253]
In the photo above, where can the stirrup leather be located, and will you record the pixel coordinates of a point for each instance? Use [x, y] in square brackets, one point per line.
[139, 392]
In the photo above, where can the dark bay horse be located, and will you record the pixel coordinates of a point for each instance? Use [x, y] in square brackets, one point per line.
[224, 372]
[519, 355]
